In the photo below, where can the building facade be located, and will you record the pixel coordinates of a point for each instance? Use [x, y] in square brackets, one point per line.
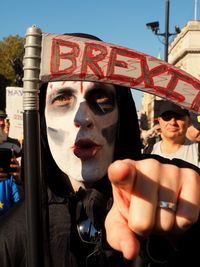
[184, 53]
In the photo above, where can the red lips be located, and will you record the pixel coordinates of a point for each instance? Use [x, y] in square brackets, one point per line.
[85, 149]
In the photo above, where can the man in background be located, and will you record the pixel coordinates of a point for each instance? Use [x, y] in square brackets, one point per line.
[174, 122]
[193, 131]
[8, 142]
[2, 120]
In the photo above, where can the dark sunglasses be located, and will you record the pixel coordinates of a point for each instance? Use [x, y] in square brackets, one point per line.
[169, 116]
[90, 235]
[87, 232]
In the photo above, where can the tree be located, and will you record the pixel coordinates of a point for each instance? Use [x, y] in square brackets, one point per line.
[11, 53]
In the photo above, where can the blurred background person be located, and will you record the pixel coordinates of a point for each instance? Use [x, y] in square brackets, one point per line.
[193, 131]
[2, 125]
[7, 126]
[10, 191]
[153, 136]
[174, 122]
[8, 142]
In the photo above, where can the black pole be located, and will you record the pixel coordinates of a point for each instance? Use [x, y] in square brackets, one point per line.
[155, 29]
[166, 30]
[34, 204]
[33, 189]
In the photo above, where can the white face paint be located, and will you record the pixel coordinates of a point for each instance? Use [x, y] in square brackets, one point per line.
[81, 119]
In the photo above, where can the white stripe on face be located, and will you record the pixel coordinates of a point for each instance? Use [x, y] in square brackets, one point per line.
[81, 119]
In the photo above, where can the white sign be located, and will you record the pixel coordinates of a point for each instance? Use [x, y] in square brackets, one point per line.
[14, 110]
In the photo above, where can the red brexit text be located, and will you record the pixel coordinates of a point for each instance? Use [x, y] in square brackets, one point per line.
[121, 65]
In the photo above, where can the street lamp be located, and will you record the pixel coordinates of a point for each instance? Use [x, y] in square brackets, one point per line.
[154, 27]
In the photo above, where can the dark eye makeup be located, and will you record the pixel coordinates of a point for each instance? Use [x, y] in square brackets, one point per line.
[101, 100]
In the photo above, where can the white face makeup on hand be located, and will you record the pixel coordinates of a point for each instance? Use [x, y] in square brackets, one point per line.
[81, 120]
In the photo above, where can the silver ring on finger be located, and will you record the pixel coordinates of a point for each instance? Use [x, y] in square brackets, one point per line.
[167, 205]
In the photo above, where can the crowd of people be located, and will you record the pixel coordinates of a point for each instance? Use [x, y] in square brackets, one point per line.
[10, 153]
[107, 203]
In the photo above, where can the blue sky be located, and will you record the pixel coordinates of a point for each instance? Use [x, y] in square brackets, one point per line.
[119, 22]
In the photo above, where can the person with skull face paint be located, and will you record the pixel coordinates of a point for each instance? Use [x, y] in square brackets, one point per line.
[85, 126]
[83, 118]
[81, 123]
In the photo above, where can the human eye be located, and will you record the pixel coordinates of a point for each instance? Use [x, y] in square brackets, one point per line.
[105, 103]
[62, 99]
[102, 101]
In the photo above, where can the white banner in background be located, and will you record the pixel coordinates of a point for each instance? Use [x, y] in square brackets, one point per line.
[14, 110]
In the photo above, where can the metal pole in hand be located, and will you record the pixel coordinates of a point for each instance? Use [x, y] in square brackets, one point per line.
[32, 158]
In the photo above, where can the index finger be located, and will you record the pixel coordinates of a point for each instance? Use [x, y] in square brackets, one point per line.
[121, 173]
[122, 176]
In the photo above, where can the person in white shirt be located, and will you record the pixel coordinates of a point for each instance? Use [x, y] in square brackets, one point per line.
[174, 122]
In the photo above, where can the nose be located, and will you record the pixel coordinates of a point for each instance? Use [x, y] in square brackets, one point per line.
[173, 120]
[83, 117]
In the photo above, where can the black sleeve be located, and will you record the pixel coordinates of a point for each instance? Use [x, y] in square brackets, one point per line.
[12, 236]
[177, 162]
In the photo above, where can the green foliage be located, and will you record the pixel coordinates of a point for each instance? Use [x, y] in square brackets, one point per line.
[11, 47]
